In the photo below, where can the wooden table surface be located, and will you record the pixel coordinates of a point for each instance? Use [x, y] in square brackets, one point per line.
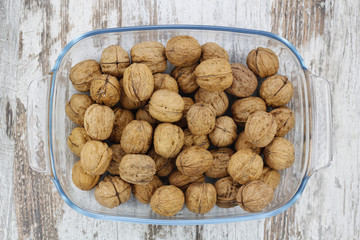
[327, 35]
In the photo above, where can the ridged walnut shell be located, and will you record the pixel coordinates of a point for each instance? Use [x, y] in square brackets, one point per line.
[165, 81]
[95, 157]
[271, 177]
[122, 118]
[244, 83]
[99, 121]
[83, 73]
[164, 166]
[224, 133]
[144, 114]
[285, 120]
[194, 161]
[166, 106]
[211, 50]
[186, 78]
[137, 169]
[276, 91]
[254, 196]
[226, 190]
[279, 154]
[243, 143]
[218, 100]
[75, 109]
[183, 51]
[82, 179]
[114, 60]
[201, 119]
[77, 139]
[221, 157]
[150, 53]
[263, 62]
[245, 166]
[182, 181]
[143, 193]
[167, 200]
[127, 103]
[105, 89]
[112, 191]
[188, 103]
[117, 155]
[242, 108]
[136, 137]
[193, 140]
[168, 140]
[200, 197]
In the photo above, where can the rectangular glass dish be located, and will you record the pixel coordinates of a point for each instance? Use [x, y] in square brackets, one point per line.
[49, 127]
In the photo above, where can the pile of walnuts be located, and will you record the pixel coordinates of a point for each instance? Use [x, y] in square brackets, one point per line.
[158, 135]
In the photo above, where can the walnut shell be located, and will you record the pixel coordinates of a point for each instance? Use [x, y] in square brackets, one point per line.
[127, 103]
[254, 196]
[285, 120]
[280, 153]
[242, 108]
[270, 177]
[276, 91]
[82, 179]
[214, 74]
[221, 160]
[211, 50]
[78, 137]
[112, 191]
[167, 200]
[260, 128]
[183, 51]
[200, 197]
[143, 193]
[218, 100]
[263, 62]
[164, 166]
[182, 181]
[105, 89]
[188, 103]
[136, 137]
[83, 73]
[117, 155]
[168, 140]
[144, 114]
[137, 169]
[224, 133]
[245, 166]
[201, 119]
[95, 157]
[193, 140]
[194, 161]
[165, 81]
[186, 78]
[226, 190]
[75, 109]
[99, 121]
[244, 83]
[114, 60]
[138, 82]
[166, 106]
[243, 143]
[150, 53]
[122, 118]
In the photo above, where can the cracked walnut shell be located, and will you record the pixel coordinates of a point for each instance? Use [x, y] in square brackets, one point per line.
[165, 81]
[99, 121]
[242, 108]
[117, 155]
[136, 137]
[260, 128]
[211, 50]
[279, 154]
[137, 169]
[200, 197]
[194, 161]
[112, 191]
[166, 106]
[114, 60]
[77, 139]
[186, 78]
[82, 179]
[126, 102]
[75, 109]
[218, 100]
[122, 118]
[105, 89]
[168, 140]
[263, 62]
[226, 190]
[201, 119]
[221, 160]
[193, 140]
[271, 177]
[285, 120]
[83, 73]
[224, 133]
[183, 51]
[95, 157]
[150, 53]
[143, 193]
[167, 200]
[276, 91]
[244, 83]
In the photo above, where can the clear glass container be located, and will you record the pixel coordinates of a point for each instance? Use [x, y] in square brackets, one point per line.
[48, 126]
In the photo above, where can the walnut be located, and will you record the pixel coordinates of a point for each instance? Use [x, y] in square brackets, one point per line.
[182, 181]
[194, 161]
[212, 50]
[201, 119]
[137, 169]
[78, 137]
[144, 114]
[168, 140]
[276, 91]
[112, 191]
[75, 109]
[214, 74]
[188, 103]
[136, 137]
[242, 108]
[263, 62]
[99, 121]
[285, 120]
[224, 133]
[127, 103]
[270, 177]
[193, 140]
[138, 82]
[183, 51]
[200, 197]
[260, 128]
[243, 143]
[218, 100]
[165, 81]
[245, 166]
[279, 154]
[166, 106]
[226, 190]
[117, 155]
[114, 60]
[221, 159]
[164, 166]
[95, 157]
[150, 53]
[167, 200]
[143, 193]
[254, 196]
[185, 78]
[105, 89]
[82, 179]
[244, 83]
[122, 118]
[83, 73]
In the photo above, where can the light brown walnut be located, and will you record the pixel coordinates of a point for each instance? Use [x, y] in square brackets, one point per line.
[150, 53]
[194, 161]
[122, 118]
[105, 89]
[260, 128]
[165, 81]
[224, 133]
[211, 50]
[127, 103]
[77, 139]
[112, 191]
[83, 73]
[226, 190]
[243, 143]
[218, 100]
[99, 121]
[75, 109]
[166, 106]
[117, 155]
[244, 83]
[144, 114]
[183, 51]
[193, 140]
[182, 181]
[201, 119]
[188, 103]
[221, 160]
[263, 62]
[276, 91]
[186, 78]
[137, 169]
[200, 197]
[164, 166]
[114, 60]
[95, 157]
[167, 200]
[242, 108]
[143, 193]
[285, 120]
[279, 154]
[136, 137]
[82, 179]
[168, 140]
[271, 177]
